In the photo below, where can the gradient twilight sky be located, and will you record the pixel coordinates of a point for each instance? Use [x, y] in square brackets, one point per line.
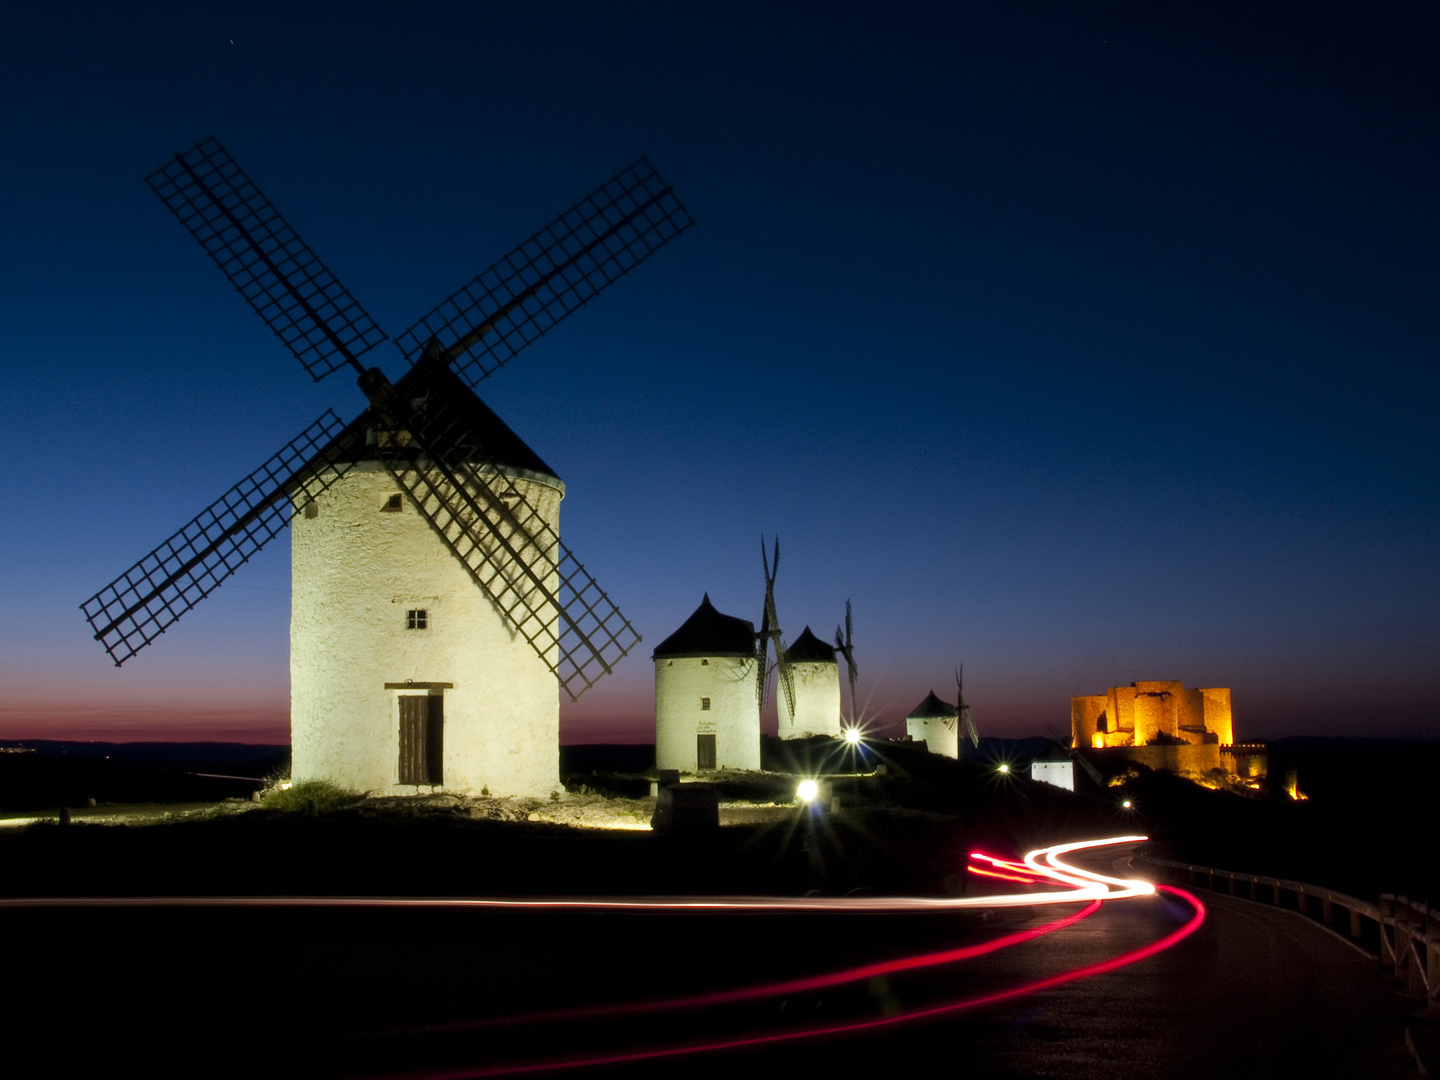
[1079, 343]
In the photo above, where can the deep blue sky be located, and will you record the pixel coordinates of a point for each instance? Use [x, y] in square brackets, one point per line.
[1081, 343]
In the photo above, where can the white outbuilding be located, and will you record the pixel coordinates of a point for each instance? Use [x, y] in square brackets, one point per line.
[937, 724]
[815, 680]
[404, 676]
[1058, 771]
[707, 712]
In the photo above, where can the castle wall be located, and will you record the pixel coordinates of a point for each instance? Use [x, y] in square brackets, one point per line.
[1218, 717]
[1085, 714]
[817, 700]
[683, 686]
[357, 568]
[1183, 759]
[1120, 708]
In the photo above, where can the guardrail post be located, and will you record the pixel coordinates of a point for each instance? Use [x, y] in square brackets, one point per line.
[1232, 883]
[1432, 966]
[1355, 926]
[1254, 887]
[1327, 909]
[1276, 897]
[1387, 920]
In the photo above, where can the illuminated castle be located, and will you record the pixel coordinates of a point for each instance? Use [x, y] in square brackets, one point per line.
[1151, 712]
[1165, 726]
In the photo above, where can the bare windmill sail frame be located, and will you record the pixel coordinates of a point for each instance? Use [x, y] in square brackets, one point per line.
[846, 647]
[962, 719]
[770, 630]
[473, 506]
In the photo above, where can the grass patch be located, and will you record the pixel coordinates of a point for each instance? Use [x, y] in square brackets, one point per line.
[308, 796]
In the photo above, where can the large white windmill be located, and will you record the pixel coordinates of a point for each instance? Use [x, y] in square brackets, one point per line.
[434, 607]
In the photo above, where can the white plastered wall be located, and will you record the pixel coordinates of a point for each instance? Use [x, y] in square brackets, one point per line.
[356, 569]
[682, 684]
[817, 700]
[1059, 774]
[938, 738]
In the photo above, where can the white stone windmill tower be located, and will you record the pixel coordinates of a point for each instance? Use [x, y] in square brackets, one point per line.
[434, 607]
[813, 707]
[706, 713]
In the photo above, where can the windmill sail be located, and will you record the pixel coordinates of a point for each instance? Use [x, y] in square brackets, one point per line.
[142, 603]
[505, 543]
[846, 646]
[267, 262]
[770, 628]
[563, 266]
[962, 709]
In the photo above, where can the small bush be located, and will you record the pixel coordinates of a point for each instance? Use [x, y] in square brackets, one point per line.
[308, 795]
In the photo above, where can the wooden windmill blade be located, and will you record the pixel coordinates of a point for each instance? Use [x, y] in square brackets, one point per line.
[508, 546]
[762, 649]
[142, 603]
[846, 646]
[785, 677]
[560, 268]
[267, 262]
[962, 709]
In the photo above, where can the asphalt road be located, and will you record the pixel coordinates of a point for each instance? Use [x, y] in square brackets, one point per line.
[251, 991]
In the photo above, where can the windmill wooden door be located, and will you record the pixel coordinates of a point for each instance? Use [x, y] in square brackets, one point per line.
[422, 727]
[705, 751]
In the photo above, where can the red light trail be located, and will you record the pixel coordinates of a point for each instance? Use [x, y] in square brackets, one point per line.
[1055, 881]
[1049, 866]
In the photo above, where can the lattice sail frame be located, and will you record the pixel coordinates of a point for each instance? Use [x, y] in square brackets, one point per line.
[510, 549]
[267, 262]
[559, 269]
[142, 603]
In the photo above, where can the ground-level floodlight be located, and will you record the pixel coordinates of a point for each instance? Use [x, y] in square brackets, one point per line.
[1004, 769]
[852, 736]
[807, 790]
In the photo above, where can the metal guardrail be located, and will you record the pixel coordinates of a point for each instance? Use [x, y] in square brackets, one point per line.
[1407, 931]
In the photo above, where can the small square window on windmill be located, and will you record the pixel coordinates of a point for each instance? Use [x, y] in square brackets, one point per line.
[467, 492]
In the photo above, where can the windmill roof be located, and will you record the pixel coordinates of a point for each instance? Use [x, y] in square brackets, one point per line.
[476, 425]
[931, 708]
[808, 647]
[709, 633]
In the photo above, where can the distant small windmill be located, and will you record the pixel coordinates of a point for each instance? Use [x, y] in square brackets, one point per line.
[846, 647]
[770, 629]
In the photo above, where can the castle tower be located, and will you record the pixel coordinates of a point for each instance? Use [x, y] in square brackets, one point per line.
[815, 676]
[404, 676]
[707, 713]
[938, 724]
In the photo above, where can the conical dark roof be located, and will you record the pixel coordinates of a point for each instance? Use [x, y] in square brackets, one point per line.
[709, 633]
[932, 708]
[808, 647]
[473, 424]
